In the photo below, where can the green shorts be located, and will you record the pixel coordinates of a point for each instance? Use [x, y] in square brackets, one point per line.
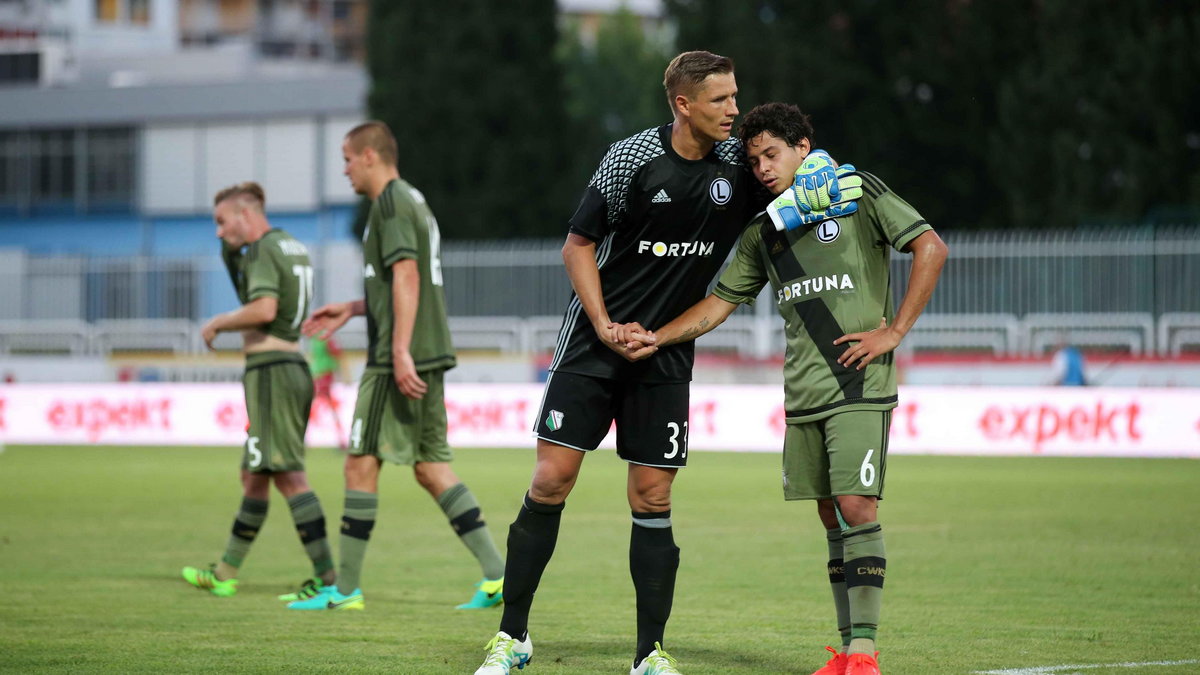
[389, 425]
[844, 454]
[279, 394]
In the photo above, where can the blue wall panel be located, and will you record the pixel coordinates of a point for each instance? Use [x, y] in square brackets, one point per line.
[161, 236]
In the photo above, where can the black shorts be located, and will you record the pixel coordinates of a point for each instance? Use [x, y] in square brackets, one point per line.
[652, 419]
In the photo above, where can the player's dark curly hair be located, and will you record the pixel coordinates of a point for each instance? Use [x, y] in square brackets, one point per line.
[782, 120]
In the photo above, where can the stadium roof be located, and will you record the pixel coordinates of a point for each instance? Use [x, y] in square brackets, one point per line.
[330, 91]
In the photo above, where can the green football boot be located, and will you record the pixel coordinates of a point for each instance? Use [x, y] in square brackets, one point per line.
[328, 597]
[309, 588]
[488, 593]
[207, 580]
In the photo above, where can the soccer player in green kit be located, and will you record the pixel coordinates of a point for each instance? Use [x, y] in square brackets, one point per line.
[400, 415]
[273, 277]
[831, 286]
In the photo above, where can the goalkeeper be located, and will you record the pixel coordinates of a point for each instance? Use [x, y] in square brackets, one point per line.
[831, 280]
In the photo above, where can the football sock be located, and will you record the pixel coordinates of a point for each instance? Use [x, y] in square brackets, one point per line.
[310, 525]
[837, 581]
[866, 565]
[462, 510]
[531, 540]
[653, 562]
[358, 517]
[246, 524]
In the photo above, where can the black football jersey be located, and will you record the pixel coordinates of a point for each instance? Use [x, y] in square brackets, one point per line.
[663, 226]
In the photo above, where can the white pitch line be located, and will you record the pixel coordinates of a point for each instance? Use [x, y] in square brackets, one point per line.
[1046, 670]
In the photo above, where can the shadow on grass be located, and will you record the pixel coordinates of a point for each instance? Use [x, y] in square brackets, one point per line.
[741, 661]
[574, 653]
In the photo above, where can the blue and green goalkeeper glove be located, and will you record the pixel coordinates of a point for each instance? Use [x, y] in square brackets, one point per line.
[819, 192]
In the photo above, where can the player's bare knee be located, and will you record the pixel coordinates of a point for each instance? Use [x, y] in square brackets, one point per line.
[552, 483]
[256, 485]
[857, 510]
[649, 488]
[554, 475]
[435, 477]
[650, 498]
[827, 512]
[291, 483]
[551, 487]
[362, 473]
[423, 478]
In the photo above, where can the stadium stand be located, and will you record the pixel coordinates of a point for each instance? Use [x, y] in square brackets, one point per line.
[1129, 330]
[1177, 331]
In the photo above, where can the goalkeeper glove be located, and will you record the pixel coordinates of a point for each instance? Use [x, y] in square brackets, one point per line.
[819, 192]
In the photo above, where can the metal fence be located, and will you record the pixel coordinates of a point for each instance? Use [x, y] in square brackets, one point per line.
[1132, 290]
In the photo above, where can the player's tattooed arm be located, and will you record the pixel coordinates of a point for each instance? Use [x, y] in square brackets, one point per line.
[693, 332]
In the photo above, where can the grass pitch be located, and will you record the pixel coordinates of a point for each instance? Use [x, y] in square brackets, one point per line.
[994, 563]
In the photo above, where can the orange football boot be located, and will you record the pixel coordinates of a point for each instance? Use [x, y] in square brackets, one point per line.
[862, 664]
[834, 666]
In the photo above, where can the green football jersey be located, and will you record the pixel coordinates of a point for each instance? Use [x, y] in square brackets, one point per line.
[275, 266]
[321, 359]
[402, 227]
[829, 280]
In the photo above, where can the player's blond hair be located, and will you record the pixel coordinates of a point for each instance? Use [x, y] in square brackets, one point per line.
[248, 194]
[687, 72]
[377, 136]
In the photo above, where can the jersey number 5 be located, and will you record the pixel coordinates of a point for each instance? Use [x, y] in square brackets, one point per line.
[254, 452]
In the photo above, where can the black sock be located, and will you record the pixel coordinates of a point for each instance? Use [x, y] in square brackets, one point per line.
[531, 540]
[653, 561]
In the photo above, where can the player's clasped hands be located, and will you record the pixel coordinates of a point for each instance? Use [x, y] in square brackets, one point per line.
[632, 341]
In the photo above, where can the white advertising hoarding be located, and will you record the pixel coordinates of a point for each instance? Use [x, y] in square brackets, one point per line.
[1135, 422]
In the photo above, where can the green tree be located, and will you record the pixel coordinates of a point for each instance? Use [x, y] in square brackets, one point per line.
[613, 87]
[983, 114]
[473, 93]
[1101, 121]
[889, 87]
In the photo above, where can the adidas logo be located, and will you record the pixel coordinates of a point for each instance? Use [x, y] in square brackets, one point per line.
[661, 198]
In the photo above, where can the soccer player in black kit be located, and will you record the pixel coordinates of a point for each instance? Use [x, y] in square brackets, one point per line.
[653, 227]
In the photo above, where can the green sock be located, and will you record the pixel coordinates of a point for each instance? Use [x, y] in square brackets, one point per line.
[866, 566]
[310, 525]
[462, 510]
[358, 518]
[837, 582]
[246, 524]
